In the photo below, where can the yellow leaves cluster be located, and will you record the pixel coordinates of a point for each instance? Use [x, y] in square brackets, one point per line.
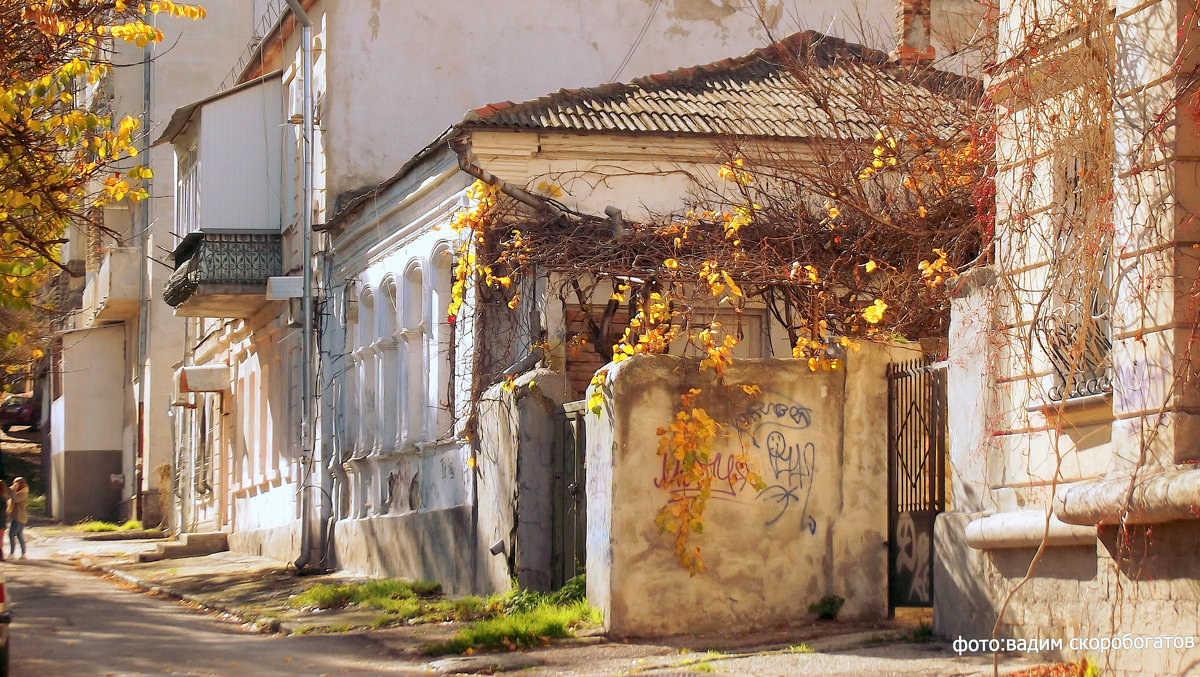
[596, 390]
[547, 188]
[719, 280]
[138, 33]
[655, 317]
[59, 155]
[718, 351]
[874, 312]
[740, 217]
[686, 447]
[733, 171]
[470, 224]
[884, 154]
[934, 272]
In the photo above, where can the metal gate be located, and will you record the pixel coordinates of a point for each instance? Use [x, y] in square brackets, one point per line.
[569, 512]
[916, 477]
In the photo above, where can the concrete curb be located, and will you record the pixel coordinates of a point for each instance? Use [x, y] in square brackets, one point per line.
[827, 644]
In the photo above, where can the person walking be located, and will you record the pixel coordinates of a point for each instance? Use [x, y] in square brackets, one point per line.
[3, 516]
[18, 515]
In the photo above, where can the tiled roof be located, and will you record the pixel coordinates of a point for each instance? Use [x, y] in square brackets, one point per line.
[754, 95]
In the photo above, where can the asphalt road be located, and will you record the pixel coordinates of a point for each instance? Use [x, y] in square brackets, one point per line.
[67, 622]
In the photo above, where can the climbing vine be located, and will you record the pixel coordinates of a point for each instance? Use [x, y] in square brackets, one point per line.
[848, 239]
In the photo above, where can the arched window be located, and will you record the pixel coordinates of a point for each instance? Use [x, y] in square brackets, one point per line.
[416, 360]
[389, 378]
[348, 423]
[364, 351]
[440, 419]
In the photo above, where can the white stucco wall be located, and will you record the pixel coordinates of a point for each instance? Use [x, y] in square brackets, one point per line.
[454, 56]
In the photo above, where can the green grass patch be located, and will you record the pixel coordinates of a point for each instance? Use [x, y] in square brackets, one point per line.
[400, 601]
[515, 618]
[36, 503]
[383, 594]
[798, 648]
[923, 633]
[534, 627]
[704, 667]
[96, 526]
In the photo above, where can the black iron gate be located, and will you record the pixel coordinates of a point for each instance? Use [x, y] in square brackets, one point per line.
[916, 477]
[569, 516]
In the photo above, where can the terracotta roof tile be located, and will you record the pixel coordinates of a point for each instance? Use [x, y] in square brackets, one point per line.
[751, 96]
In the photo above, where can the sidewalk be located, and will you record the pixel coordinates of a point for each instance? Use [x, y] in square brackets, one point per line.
[253, 591]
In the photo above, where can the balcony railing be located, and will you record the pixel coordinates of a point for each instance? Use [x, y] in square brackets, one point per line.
[223, 274]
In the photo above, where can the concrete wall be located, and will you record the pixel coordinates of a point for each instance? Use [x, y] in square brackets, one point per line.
[280, 543]
[818, 439]
[86, 425]
[430, 545]
[83, 477]
[515, 473]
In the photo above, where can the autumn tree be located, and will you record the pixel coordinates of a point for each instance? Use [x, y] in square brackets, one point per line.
[57, 150]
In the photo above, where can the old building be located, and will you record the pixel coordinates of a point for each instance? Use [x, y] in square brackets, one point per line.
[110, 441]
[383, 84]
[1073, 385]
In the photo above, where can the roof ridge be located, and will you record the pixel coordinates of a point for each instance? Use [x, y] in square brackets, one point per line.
[824, 49]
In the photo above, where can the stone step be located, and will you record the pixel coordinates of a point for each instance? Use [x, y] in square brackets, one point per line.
[189, 545]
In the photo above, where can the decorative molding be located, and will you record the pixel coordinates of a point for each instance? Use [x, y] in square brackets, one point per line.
[1149, 497]
[1025, 529]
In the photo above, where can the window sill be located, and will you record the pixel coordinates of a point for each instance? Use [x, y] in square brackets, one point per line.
[1025, 529]
[1077, 411]
[1156, 496]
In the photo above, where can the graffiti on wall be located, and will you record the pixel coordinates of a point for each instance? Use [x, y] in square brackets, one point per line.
[912, 557]
[729, 477]
[775, 426]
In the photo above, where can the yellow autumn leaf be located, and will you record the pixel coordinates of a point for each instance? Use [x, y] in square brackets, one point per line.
[549, 189]
[874, 312]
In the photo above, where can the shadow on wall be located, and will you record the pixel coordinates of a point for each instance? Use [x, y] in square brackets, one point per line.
[434, 545]
[1060, 563]
[1156, 552]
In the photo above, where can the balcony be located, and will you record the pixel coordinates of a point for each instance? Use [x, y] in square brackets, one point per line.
[114, 292]
[223, 274]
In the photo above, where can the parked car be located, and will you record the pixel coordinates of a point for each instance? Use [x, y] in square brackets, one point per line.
[5, 620]
[19, 410]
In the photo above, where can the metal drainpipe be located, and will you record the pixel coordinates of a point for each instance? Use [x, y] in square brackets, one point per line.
[143, 296]
[306, 388]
